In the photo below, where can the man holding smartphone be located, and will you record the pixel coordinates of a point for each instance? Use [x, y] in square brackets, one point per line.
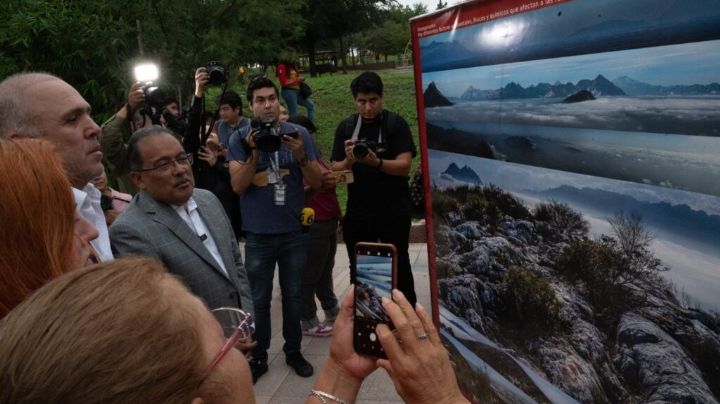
[272, 195]
[378, 147]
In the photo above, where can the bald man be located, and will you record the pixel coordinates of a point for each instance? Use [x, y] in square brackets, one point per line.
[44, 106]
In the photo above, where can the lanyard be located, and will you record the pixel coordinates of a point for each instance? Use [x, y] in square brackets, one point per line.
[358, 124]
[275, 165]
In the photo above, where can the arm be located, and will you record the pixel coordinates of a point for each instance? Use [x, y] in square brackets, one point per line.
[344, 370]
[399, 166]
[191, 140]
[116, 129]
[305, 153]
[241, 173]
[340, 159]
[420, 366]
[242, 166]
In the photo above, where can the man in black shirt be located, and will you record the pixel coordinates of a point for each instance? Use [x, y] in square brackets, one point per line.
[378, 147]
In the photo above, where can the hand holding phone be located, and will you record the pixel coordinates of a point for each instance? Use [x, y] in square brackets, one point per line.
[375, 278]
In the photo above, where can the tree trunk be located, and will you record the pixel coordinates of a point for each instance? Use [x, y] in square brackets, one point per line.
[311, 57]
[343, 54]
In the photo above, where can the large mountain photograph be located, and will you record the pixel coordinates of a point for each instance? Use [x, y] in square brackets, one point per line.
[574, 166]
[666, 133]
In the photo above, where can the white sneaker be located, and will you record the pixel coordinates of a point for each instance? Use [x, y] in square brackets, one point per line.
[320, 330]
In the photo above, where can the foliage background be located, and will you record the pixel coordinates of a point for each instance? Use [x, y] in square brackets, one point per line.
[94, 45]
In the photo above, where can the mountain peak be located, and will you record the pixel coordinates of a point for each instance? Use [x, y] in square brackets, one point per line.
[465, 174]
[434, 98]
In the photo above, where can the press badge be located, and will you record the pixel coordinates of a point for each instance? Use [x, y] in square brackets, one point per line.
[280, 194]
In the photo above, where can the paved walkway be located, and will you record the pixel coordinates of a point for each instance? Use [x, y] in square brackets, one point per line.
[281, 385]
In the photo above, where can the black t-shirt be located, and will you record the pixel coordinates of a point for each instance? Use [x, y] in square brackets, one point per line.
[374, 193]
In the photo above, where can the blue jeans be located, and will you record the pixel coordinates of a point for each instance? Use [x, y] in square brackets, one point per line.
[293, 98]
[262, 252]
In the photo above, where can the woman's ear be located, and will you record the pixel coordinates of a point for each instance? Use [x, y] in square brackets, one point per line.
[197, 400]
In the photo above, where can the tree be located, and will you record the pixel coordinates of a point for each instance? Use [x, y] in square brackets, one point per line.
[93, 45]
[633, 240]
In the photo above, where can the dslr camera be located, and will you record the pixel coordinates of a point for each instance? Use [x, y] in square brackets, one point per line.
[266, 137]
[216, 73]
[154, 102]
[362, 147]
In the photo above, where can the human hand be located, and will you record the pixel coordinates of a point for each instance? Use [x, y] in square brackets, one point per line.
[207, 155]
[329, 181]
[342, 352]
[349, 156]
[136, 96]
[417, 363]
[213, 143]
[246, 346]
[201, 79]
[295, 144]
[370, 159]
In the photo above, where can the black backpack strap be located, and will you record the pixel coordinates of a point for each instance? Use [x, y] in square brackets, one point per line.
[389, 119]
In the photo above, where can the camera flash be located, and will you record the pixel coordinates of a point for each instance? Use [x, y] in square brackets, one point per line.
[146, 72]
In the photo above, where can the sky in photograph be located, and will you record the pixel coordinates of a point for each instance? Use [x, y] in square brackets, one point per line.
[696, 63]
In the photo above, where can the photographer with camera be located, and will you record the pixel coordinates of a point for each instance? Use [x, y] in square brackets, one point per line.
[377, 145]
[268, 162]
[211, 169]
[116, 132]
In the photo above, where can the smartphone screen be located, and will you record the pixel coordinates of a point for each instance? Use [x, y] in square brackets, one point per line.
[374, 279]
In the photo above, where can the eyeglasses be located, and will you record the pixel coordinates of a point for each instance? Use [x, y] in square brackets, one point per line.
[237, 326]
[164, 166]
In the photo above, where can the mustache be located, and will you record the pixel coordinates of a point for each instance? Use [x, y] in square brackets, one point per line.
[181, 181]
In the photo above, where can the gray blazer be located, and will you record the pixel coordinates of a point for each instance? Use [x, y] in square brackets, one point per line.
[154, 229]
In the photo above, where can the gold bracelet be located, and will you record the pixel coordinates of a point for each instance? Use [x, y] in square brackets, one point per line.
[322, 396]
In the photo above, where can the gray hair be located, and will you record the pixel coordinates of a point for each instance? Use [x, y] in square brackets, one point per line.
[16, 111]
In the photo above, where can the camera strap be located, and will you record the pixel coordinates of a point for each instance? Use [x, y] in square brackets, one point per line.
[358, 125]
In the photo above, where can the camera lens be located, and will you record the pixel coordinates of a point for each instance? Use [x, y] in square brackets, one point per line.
[266, 140]
[360, 150]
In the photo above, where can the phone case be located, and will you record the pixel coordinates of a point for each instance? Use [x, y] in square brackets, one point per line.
[367, 299]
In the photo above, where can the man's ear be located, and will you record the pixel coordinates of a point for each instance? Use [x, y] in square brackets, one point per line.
[136, 178]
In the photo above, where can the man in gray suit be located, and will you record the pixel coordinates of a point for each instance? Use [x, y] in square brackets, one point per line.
[184, 227]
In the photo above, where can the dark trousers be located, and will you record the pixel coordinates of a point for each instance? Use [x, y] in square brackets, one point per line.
[317, 277]
[389, 229]
[262, 253]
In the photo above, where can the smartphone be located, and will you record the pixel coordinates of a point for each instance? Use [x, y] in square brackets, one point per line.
[292, 134]
[375, 277]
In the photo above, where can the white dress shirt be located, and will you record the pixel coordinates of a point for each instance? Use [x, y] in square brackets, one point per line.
[87, 204]
[192, 218]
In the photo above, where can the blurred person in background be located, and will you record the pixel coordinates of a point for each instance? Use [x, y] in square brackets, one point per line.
[322, 246]
[290, 81]
[211, 170]
[112, 202]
